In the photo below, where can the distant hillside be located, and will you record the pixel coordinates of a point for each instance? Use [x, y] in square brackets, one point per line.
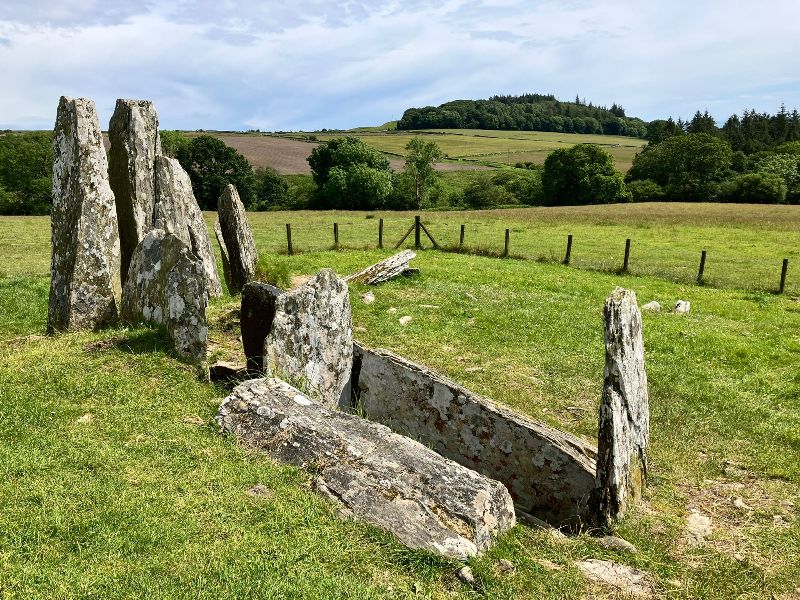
[529, 112]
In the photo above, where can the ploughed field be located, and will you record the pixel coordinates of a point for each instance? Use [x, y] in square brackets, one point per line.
[465, 149]
[115, 482]
[483, 146]
[289, 156]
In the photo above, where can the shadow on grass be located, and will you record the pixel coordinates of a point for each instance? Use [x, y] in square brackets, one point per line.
[142, 340]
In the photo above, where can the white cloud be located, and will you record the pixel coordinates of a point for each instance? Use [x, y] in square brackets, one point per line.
[310, 64]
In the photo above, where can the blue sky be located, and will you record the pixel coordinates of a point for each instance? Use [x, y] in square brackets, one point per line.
[308, 64]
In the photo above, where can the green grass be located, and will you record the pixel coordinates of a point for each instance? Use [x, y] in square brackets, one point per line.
[500, 147]
[148, 500]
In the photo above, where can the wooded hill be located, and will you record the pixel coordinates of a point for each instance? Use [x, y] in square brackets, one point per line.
[528, 112]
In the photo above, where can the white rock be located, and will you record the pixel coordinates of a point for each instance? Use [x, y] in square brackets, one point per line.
[404, 320]
[652, 307]
[698, 527]
[626, 579]
[465, 575]
[682, 307]
[612, 542]
[368, 298]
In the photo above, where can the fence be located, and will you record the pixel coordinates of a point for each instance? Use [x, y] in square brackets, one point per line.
[423, 236]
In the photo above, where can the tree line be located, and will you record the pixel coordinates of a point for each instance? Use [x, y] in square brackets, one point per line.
[528, 112]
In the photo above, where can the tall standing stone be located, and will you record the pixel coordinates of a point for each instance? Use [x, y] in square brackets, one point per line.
[238, 238]
[624, 422]
[311, 341]
[177, 212]
[85, 269]
[167, 287]
[133, 132]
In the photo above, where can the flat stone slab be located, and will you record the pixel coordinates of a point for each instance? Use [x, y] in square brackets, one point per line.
[549, 473]
[373, 474]
[85, 285]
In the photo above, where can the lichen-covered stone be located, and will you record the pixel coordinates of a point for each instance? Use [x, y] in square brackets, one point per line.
[167, 287]
[238, 240]
[385, 270]
[135, 143]
[177, 212]
[549, 473]
[311, 341]
[373, 474]
[85, 286]
[256, 317]
[223, 252]
[624, 420]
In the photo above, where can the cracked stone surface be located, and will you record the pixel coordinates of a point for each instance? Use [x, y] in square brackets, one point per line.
[234, 231]
[177, 212]
[624, 417]
[549, 473]
[371, 473]
[135, 143]
[85, 287]
[311, 341]
[167, 287]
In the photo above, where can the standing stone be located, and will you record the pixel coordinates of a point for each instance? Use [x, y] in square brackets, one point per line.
[311, 342]
[223, 251]
[167, 287]
[256, 316]
[133, 133]
[85, 284]
[177, 212]
[624, 422]
[238, 238]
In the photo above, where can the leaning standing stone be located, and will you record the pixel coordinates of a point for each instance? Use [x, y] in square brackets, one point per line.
[624, 422]
[238, 238]
[167, 287]
[133, 132]
[311, 341]
[177, 212]
[85, 269]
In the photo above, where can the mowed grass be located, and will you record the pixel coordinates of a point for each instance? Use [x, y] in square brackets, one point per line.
[115, 482]
[501, 147]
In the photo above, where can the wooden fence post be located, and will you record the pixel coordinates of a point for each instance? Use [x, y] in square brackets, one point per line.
[627, 255]
[380, 233]
[336, 236]
[508, 236]
[461, 237]
[702, 268]
[784, 269]
[416, 233]
[568, 256]
[289, 238]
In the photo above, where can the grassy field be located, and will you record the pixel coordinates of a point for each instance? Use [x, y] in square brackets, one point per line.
[502, 147]
[115, 482]
[745, 243]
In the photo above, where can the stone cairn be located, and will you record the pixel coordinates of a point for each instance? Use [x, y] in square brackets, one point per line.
[129, 238]
[366, 463]
[85, 284]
